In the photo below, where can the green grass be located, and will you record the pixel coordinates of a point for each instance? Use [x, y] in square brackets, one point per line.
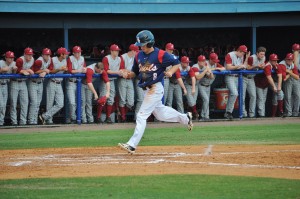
[167, 186]
[250, 134]
[164, 186]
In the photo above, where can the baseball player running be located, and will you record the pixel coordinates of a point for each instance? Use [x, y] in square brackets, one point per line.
[125, 86]
[206, 78]
[150, 65]
[234, 61]
[90, 71]
[275, 82]
[19, 89]
[112, 65]
[7, 66]
[54, 88]
[255, 62]
[76, 64]
[291, 86]
[40, 67]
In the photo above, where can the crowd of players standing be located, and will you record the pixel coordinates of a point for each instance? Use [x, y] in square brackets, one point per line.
[122, 95]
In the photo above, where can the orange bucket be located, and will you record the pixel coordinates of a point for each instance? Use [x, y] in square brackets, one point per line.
[221, 95]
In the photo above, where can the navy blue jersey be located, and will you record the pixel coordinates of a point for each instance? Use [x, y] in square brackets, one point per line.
[150, 67]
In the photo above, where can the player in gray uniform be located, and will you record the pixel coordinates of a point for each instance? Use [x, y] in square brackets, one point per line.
[18, 87]
[55, 94]
[234, 61]
[89, 90]
[206, 78]
[7, 66]
[112, 65]
[76, 64]
[189, 84]
[291, 86]
[169, 48]
[175, 89]
[125, 86]
[255, 62]
[40, 67]
[296, 50]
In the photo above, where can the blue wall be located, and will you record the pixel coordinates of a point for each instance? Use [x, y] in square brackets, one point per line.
[149, 6]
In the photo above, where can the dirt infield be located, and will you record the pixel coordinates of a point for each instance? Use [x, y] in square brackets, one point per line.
[278, 161]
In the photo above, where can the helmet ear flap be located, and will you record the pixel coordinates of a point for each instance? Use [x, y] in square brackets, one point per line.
[150, 44]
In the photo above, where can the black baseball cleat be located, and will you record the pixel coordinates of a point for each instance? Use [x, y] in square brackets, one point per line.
[228, 115]
[42, 119]
[190, 123]
[99, 121]
[283, 115]
[127, 148]
[108, 120]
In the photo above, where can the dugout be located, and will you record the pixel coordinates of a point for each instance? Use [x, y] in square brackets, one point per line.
[92, 24]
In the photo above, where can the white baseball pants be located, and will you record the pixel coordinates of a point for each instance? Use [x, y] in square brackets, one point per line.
[153, 104]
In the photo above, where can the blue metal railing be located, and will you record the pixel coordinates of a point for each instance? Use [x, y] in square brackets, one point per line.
[80, 76]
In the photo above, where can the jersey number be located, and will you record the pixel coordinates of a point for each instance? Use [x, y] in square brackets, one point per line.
[154, 76]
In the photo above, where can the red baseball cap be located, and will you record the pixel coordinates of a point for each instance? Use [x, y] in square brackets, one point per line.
[273, 57]
[170, 46]
[214, 57]
[114, 47]
[134, 47]
[28, 51]
[185, 59]
[62, 50]
[289, 56]
[10, 54]
[46, 51]
[243, 48]
[296, 47]
[201, 58]
[76, 49]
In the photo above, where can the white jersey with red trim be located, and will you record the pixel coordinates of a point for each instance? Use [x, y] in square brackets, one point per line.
[128, 61]
[114, 64]
[27, 65]
[45, 64]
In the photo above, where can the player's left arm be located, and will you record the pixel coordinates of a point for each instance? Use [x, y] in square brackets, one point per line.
[192, 75]
[107, 86]
[293, 73]
[134, 71]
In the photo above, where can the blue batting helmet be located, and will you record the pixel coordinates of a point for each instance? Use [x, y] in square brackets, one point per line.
[145, 37]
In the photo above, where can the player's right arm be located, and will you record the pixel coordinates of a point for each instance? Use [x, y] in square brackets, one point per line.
[268, 73]
[230, 66]
[181, 84]
[201, 75]
[106, 67]
[20, 70]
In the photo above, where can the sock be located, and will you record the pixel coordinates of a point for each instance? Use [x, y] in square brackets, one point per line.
[108, 110]
[194, 109]
[99, 111]
[274, 110]
[123, 112]
[280, 105]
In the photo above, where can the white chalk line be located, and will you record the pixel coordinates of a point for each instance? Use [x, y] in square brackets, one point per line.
[140, 158]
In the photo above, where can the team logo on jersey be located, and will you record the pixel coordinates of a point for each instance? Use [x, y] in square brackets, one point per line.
[147, 67]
